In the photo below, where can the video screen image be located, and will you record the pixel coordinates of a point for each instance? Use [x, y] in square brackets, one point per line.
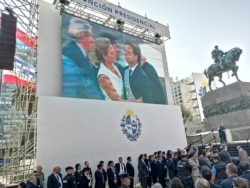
[105, 64]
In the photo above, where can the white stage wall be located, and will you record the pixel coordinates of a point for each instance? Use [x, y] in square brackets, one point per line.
[71, 131]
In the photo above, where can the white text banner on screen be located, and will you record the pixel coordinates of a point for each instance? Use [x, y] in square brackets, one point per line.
[125, 15]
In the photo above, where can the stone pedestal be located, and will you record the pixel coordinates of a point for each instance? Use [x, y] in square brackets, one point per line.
[230, 105]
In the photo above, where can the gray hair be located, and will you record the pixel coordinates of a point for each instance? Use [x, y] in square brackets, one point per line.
[202, 183]
[77, 26]
[157, 185]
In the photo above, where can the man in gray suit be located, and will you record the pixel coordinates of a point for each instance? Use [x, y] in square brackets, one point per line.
[243, 156]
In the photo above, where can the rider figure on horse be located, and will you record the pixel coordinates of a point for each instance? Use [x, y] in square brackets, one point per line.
[218, 56]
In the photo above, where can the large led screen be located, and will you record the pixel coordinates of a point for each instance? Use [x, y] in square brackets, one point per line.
[103, 63]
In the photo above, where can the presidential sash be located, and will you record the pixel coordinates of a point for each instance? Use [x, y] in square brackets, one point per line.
[128, 90]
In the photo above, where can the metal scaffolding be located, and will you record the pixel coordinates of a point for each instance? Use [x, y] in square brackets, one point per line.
[85, 12]
[18, 103]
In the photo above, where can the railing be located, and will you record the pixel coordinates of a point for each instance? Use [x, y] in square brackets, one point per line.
[203, 138]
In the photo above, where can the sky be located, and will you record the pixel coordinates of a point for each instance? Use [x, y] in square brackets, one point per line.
[196, 27]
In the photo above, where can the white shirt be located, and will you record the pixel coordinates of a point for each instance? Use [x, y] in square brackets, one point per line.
[133, 68]
[122, 168]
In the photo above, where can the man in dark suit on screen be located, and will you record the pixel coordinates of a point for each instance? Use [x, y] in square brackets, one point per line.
[136, 82]
[78, 73]
[157, 90]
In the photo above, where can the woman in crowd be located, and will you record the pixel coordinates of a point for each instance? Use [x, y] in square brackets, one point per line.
[193, 161]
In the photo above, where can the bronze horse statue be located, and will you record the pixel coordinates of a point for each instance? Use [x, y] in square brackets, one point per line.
[229, 63]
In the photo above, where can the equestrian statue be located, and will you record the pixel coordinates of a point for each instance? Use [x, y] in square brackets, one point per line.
[223, 62]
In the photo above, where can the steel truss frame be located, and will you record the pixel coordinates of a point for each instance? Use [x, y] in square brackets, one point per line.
[87, 13]
[19, 119]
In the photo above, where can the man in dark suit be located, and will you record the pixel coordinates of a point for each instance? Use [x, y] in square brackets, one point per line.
[78, 73]
[143, 172]
[152, 169]
[130, 171]
[120, 168]
[222, 133]
[225, 155]
[157, 90]
[54, 179]
[161, 172]
[244, 168]
[99, 177]
[104, 172]
[90, 175]
[136, 82]
[232, 172]
[85, 179]
[112, 179]
[78, 173]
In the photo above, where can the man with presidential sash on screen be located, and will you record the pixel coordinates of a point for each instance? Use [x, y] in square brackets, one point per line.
[98, 64]
[136, 83]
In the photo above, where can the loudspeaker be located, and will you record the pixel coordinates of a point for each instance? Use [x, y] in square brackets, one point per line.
[7, 41]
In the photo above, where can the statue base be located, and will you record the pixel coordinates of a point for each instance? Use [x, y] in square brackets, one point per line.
[230, 105]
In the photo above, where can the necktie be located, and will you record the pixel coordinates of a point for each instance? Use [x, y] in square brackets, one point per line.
[58, 180]
[103, 178]
[130, 72]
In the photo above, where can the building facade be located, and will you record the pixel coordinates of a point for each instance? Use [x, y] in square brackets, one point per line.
[188, 92]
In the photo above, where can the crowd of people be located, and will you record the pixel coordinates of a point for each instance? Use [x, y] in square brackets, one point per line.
[91, 68]
[188, 168]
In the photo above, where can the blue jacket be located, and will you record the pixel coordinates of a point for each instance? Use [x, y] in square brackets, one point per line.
[78, 74]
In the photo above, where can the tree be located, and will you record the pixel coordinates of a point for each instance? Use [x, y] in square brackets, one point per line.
[187, 115]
